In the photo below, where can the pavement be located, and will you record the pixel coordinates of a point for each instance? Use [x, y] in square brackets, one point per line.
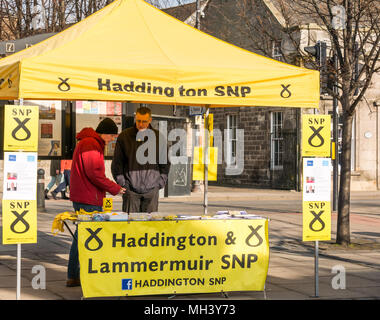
[344, 273]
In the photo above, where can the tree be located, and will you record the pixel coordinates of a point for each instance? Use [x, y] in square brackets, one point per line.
[352, 30]
[23, 18]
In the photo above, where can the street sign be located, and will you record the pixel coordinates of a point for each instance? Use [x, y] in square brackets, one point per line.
[316, 135]
[9, 47]
[195, 111]
[21, 128]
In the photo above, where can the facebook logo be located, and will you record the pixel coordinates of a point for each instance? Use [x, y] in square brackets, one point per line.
[126, 284]
[309, 163]
[12, 157]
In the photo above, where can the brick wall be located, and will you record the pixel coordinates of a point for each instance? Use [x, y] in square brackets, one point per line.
[255, 122]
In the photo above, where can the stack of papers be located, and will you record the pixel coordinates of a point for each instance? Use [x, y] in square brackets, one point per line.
[235, 214]
[161, 216]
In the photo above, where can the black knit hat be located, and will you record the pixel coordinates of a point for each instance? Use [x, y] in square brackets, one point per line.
[107, 126]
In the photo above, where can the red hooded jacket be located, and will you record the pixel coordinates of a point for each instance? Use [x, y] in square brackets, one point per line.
[88, 182]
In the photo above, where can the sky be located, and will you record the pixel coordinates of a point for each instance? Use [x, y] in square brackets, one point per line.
[162, 4]
[171, 3]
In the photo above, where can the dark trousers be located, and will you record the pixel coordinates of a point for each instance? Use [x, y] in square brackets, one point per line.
[73, 265]
[140, 202]
[66, 183]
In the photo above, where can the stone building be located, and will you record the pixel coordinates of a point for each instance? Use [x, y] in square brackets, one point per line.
[272, 136]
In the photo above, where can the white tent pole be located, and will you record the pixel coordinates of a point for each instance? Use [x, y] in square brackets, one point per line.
[18, 275]
[205, 160]
[18, 261]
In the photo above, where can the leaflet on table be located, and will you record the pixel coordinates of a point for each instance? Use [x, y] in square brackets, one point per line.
[122, 216]
[235, 214]
[245, 216]
[20, 176]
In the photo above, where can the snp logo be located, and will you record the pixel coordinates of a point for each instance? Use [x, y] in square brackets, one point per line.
[126, 284]
[93, 236]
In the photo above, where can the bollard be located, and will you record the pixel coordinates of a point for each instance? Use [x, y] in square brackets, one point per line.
[41, 189]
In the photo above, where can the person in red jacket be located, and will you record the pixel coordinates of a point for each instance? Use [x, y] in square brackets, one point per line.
[88, 182]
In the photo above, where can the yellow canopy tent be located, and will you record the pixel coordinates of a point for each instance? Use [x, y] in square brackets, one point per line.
[131, 51]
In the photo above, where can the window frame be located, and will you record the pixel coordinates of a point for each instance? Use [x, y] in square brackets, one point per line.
[276, 51]
[232, 141]
[276, 140]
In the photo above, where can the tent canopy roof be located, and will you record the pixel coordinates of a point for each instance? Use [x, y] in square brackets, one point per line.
[131, 51]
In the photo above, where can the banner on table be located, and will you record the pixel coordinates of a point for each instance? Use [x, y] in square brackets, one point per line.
[172, 257]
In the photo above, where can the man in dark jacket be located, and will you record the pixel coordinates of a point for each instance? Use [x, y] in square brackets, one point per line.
[141, 176]
[88, 182]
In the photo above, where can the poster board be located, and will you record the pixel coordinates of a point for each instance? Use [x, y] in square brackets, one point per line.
[90, 113]
[316, 135]
[50, 126]
[316, 205]
[20, 128]
[20, 176]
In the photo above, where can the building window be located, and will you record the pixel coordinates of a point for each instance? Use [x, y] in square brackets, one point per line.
[277, 141]
[276, 51]
[231, 139]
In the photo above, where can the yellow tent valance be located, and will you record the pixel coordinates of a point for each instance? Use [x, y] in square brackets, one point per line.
[131, 51]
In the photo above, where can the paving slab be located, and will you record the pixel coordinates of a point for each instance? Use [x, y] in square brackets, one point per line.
[291, 263]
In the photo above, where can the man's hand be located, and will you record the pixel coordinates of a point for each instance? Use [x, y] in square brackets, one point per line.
[122, 190]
